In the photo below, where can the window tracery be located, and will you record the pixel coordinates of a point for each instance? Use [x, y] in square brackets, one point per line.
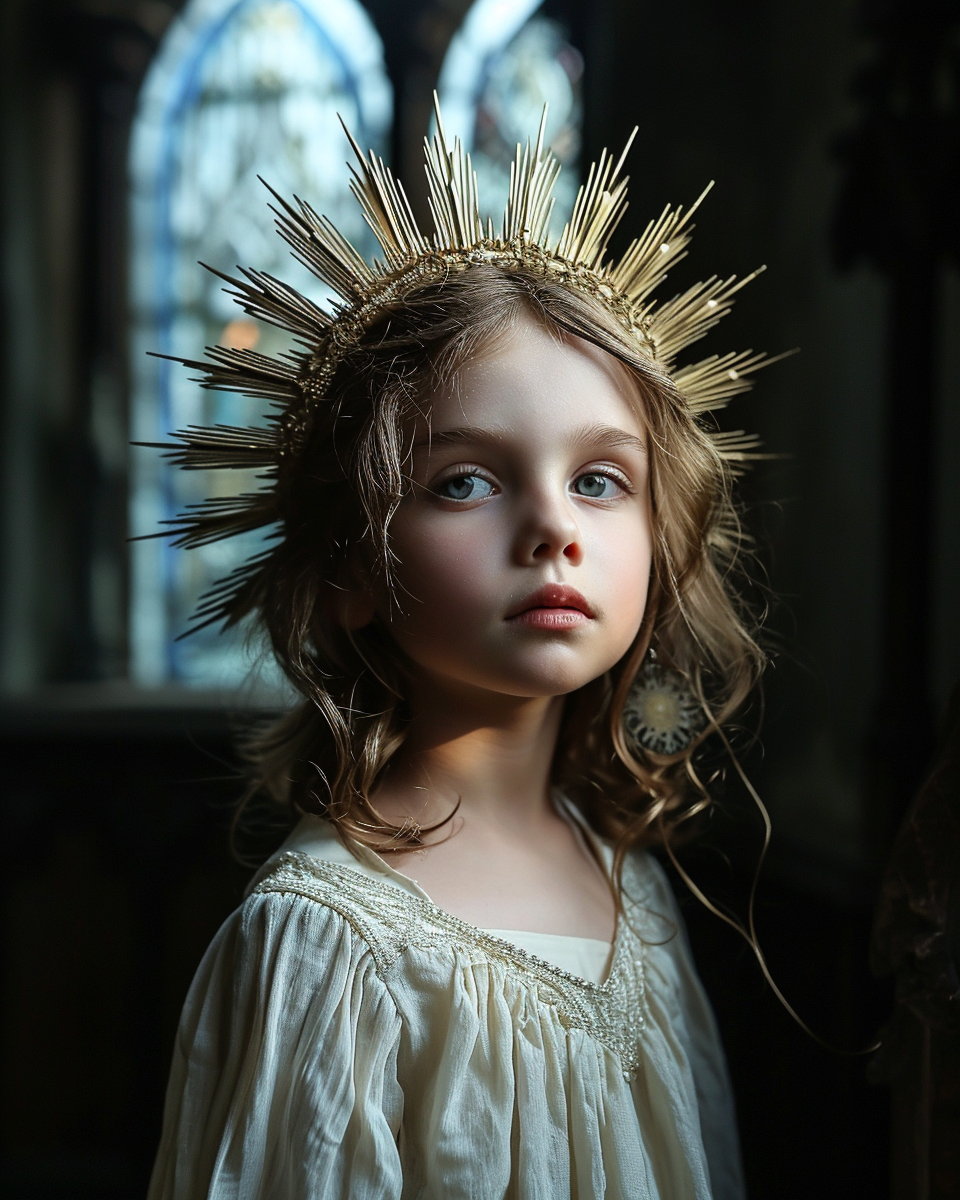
[239, 88]
[507, 60]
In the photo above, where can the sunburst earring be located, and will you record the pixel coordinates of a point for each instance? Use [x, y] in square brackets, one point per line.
[660, 714]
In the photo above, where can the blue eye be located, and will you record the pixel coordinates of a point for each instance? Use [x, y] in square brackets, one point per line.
[596, 486]
[465, 487]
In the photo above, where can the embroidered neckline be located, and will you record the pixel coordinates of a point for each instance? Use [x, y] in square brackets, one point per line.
[391, 920]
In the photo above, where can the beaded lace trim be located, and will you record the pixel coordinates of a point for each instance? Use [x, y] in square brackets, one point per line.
[390, 921]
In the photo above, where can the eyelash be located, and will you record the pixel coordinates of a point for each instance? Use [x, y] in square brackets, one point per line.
[461, 474]
[468, 472]
[609, 473]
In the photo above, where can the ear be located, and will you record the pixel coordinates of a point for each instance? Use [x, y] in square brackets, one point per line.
[353, 607]
[353, 604]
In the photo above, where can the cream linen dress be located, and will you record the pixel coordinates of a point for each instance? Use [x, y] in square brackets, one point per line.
[346, 1038]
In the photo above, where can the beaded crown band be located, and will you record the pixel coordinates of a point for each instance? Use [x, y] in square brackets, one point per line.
[296, 383]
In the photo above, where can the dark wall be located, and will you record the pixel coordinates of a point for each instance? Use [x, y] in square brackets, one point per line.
[115, 806]
[117, 878]
[765, 99]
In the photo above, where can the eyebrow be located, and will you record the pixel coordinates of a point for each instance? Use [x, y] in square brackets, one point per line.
[603, 436]
[463, 435]
[609, 436]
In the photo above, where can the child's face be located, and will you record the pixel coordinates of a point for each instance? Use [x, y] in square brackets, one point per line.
[532, 478]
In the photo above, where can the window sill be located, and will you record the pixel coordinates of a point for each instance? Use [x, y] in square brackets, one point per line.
[120, 708]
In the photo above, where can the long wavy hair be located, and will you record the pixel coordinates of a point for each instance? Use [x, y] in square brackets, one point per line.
[328, 754]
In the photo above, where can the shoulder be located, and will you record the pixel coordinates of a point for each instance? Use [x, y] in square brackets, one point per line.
[651, 907]
[292, 949]
[336, 901]
[278, 924]
[330, 885]
[644, 880]
[300, 918]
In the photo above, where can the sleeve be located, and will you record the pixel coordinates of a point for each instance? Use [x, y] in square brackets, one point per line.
[284, 1077]
[696, 1029]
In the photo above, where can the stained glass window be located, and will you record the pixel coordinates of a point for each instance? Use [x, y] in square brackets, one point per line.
[505, 62]
[239, 88]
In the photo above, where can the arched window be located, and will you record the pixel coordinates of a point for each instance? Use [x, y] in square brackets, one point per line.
[505, 62]
[239, 88]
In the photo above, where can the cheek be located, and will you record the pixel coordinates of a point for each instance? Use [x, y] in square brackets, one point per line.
[624, 553]
[445, 569]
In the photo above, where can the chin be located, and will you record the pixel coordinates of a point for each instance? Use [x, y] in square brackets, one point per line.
[547, 683]
[540, 674]
[558, 674]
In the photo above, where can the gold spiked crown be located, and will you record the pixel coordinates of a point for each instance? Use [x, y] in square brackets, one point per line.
[298, 382]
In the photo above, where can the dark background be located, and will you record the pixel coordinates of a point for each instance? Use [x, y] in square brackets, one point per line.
[831, 129]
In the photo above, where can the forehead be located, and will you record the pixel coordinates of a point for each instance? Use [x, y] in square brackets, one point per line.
[530, 380]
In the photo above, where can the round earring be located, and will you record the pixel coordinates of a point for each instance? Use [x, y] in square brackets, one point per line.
[660, 714]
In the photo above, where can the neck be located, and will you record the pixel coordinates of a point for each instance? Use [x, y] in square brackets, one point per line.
[490, 753]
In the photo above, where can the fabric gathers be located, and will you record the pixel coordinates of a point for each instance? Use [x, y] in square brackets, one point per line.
[345, 1037]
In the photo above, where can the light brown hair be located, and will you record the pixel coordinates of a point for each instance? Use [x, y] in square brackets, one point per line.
[328, 754]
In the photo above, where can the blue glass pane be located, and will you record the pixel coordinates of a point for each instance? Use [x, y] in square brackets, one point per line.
[240, 88]
[503, 65]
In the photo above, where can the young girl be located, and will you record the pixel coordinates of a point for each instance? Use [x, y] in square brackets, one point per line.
[500, 582]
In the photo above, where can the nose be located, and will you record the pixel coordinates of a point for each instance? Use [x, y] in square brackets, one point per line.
[548, 531]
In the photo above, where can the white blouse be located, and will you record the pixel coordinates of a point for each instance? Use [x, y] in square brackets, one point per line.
[346, 1038]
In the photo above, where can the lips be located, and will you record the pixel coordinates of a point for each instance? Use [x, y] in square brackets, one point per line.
[553, 606]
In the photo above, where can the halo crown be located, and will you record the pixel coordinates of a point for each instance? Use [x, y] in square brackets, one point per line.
[296, 383]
